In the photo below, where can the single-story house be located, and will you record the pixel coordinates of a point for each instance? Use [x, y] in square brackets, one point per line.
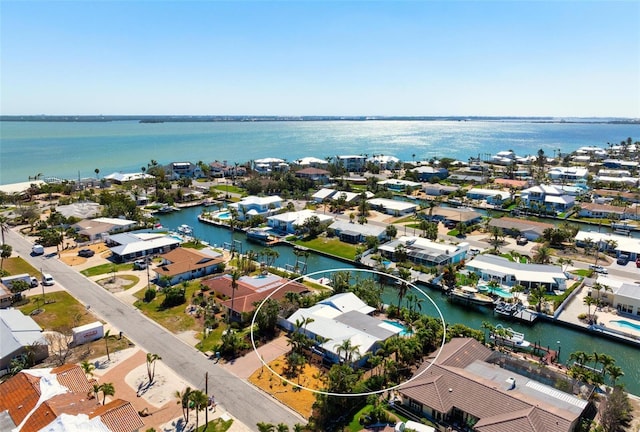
[356, 233]
[290, 222]
[530, 229]
[491, 196]
[184, 264]
[428, 173]
[509, 183]
[61, 399]
[20, 333]
[398, 185]
[605, 211]
[82, 210]
[435, 189]
[464, 385]
[121, 178]
[130, 246]
[256, 206]
[350, 198]
[620, 164]
[98, 228]
[341, 317]
[425, 252]
[621, 245]
[249, 290]
[465, 215]
[620, 294]
[311, 161]
[393, 207]
[314, 174]
[510, 273]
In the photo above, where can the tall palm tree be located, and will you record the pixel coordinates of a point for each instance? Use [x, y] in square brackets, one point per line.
[183, 401]
[107, 337]
[403, 288]
[234, 286]
[107, 390]
[87, 367]
[151, 366]
[4, 226]
[265, 427]
[199, 400]
[542, 256]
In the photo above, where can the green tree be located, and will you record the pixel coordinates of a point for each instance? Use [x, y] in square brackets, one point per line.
[347, 351]
[107, 390]
[542, 256]
[184, 399]
[391, 231]
[617, 412]
[107, 337]
[87, 368]
[199, 401]
[4, 227]
[267, 317]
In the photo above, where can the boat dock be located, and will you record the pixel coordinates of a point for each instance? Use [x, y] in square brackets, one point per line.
[516, 312]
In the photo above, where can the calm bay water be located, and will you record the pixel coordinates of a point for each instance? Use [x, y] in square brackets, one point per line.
[68, 149]
[545, 333]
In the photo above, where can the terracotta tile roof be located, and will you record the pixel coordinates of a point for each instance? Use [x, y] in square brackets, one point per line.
[119, 416]
[245, 303]
[68, 403]
[19, 395]
[72, 377]
[461, 352]
[526, 420]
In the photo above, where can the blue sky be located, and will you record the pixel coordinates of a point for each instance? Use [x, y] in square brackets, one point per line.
[557, 58]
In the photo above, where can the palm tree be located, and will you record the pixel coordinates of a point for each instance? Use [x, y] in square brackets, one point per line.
[496, 237]
[614, 372]
[87, 367]
[151, 366]
[199, 401]
[265, 427]
[107, 390]
[281, 427]
[107, 336]
[542, 256]
[4, 226]
[183, 401]
[5, 252]
[350, 351]
[97, 171]
[234, 286]
[95, 390]
[589, 301]
[405, 275]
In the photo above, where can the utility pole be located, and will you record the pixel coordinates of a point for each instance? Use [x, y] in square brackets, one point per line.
[206, 391]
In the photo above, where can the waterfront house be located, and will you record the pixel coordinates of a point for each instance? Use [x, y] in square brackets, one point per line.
[385, 162]
[61, 399]
[435, 189]
[429, 173]
[130, 246]
[267, 165]
[464, 215]
[619, 244]
[331, 322]
[567, 174]
[20, 334]
[491, 196]
[393, 207]
[425, 252]
[350, 198]
[397, 185]
[249, 291]
[311, 161]
[547, 197]
[257, 206]
[80, 210]
[532, 230]
[185, 264]
[222, 169]
[622, 295]
[291, 222]
[352, 163]
[510, 273]
[98, 228]
[606, 211]
[604, 195]
[620, 164]
[511, 184]
[464, 386]
[356, 233]
[121, 178]
[176, 170]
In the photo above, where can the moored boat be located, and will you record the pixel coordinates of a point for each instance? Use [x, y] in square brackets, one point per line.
[185, 229]
[470, 295]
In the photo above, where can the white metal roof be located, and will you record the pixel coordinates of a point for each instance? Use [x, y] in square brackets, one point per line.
[523, 272]
[392, 204]
[624, 244]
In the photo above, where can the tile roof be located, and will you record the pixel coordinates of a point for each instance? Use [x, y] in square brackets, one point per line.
[182, 260]
[119, 416]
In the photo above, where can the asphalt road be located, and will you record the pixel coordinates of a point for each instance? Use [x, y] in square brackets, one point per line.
[239, 398]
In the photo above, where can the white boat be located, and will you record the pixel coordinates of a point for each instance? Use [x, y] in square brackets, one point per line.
[185, 229]
[516, 338]
[467, 294]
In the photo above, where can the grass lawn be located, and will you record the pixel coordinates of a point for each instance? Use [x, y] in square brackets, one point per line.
[331, 246]
[229, 188]
[582, 272]
[61, 311]
[174, 319]
[133, 280]
[17, 265]
[217, 425]
[355, 425]
[405, 219]
[106, 268]
[193, 245]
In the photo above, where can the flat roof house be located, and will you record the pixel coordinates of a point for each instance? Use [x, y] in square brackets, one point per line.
[492, 267]
[491, 196]
[621, 294]
[621, 245]
[464, 388]
[532, 230]
[428, 173]
[393, 207]
[291, 221]
[356, 233]
[425, 252]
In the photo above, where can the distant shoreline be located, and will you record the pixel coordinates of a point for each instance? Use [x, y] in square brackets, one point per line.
[151, 119]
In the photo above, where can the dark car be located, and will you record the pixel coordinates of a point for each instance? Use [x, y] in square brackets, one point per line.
[140, 265]
[522, 241]
[86, 253]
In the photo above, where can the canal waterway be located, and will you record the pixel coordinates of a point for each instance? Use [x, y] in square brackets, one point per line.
[545, 333]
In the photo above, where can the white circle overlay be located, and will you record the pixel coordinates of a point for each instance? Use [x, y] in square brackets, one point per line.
[296, 385]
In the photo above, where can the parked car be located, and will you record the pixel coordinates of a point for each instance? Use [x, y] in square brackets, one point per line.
[47, 279]
[86, 253]
[598, 269]
[623, 259]
[37, 249]
[522, 241]
[139, 265]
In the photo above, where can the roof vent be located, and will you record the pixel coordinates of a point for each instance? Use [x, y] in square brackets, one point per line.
[511, 383]
[450, 389]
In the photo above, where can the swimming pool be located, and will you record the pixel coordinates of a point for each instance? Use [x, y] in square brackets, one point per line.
[627, 324]
[223, 215]
[497, 291]
[403, 330]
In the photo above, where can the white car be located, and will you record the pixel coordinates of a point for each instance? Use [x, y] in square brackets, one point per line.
[47, 279]
[598, 269]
